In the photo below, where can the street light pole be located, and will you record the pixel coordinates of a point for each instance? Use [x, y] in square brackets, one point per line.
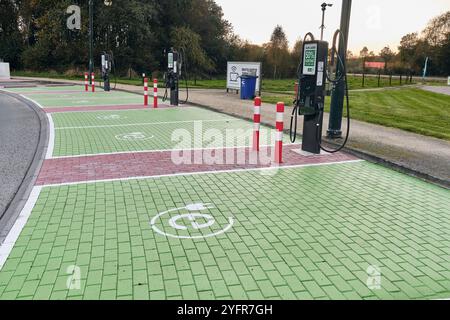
[324, 8]
[91, 39]
[338, 94]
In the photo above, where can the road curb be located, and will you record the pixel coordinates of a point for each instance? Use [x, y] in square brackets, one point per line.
[13, 210]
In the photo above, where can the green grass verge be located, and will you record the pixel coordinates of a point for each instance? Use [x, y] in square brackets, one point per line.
[409, 109]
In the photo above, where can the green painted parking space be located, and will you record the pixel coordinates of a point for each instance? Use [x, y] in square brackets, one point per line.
[62, 100]
[102, 118]
[47, 88]
[153, 136]
[315, 233]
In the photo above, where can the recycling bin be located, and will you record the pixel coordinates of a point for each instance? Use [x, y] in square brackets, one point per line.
[248, 87]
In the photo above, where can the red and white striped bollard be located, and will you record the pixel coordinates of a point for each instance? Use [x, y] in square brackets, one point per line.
[155, 93]
[279, 133]
[145, 91]
[93, 81]
[257, 124]
[86, 81]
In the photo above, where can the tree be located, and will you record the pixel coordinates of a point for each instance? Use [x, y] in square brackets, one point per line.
[278, 51]
[11, 43]
[364, 53]
[408, 50]
[189, 42]
[296, 56]
[438, 28]
[387, 55]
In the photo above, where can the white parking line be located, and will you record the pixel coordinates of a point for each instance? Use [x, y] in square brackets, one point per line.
[186, 174]
[118, 110]
[33, 101]
[157, 151]
[51, 138]
[14, 233]
[147, 124]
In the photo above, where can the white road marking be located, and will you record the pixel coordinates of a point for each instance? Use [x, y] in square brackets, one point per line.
[33, 101]
[147, 124]
[14, 233]
[133, 136]
[51, 138]
[156, 151]
[191, 216]
[119, 110]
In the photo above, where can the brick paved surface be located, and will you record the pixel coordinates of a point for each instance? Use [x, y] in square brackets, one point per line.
[309, 233]
[115, 166]
[104, 108]
[93, 133]
[62, 100]
[349, 230]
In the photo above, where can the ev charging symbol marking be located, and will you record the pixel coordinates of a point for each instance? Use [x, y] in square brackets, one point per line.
[193, 217]
[133, 136]
[111, 117]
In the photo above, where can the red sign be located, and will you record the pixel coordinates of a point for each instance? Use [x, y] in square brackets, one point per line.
[375, 65]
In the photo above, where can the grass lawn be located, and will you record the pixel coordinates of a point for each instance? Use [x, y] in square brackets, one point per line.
[409, 109]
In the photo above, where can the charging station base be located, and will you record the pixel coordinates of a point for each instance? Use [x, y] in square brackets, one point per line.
[309, 154]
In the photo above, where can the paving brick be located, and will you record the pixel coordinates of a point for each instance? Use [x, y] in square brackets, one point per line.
[281, 247]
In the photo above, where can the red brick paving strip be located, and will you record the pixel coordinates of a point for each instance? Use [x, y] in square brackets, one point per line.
[129, 165]
[101, 108]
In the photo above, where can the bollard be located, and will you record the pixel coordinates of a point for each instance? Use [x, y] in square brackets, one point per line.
[279, 133]
[86, 81]
[155, 93]
[145, 91]
[93, 81]
[257, 124]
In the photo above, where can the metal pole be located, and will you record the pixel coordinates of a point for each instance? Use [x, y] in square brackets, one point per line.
[91, 38]
[338, 95]
[324, 8]
[322, 27]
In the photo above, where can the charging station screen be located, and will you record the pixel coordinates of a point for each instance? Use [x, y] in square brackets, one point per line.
[309, 59]
[170, 61]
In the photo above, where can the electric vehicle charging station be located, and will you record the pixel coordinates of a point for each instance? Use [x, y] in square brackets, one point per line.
[311, 96]
[176, 60]
[106, 70]
[172, 76]
[310, 99]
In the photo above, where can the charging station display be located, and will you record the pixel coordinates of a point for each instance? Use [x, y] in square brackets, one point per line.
[309, 59]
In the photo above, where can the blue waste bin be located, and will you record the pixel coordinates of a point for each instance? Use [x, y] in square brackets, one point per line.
[248, 87]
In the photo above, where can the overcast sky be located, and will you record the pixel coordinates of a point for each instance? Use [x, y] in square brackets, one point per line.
[375, 23]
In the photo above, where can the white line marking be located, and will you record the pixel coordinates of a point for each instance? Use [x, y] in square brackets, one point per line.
[116, 110]
[202, 173]
[51, 138]
[29, 99]
[90, 105]
[147, 124]
[159, 150]
[14, 233]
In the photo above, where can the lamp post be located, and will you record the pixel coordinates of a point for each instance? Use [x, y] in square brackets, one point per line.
[91, 39]
[324, 8]
[338, 94]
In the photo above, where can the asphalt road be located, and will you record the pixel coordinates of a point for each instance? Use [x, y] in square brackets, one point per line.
[19, 136]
